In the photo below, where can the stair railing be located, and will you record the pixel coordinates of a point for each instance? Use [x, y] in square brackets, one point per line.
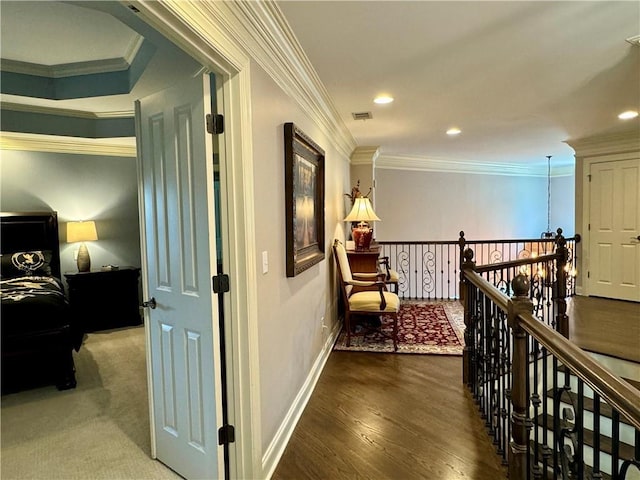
[431, 269]
[545, 402]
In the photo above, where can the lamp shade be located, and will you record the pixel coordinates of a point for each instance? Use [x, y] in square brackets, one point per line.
[81, 231]
[362, 211]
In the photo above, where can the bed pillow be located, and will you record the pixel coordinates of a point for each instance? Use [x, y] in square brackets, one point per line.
[19, 264]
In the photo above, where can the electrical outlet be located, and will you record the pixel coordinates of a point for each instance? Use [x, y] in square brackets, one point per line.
[265, 262]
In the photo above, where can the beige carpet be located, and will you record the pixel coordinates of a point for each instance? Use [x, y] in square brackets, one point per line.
[100, 430]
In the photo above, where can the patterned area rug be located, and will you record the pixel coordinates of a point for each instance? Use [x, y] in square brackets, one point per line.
[435, 327]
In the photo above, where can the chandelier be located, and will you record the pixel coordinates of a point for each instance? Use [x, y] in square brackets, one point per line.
[548, 234]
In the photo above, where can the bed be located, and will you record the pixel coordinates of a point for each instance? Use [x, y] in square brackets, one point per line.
[37, 329]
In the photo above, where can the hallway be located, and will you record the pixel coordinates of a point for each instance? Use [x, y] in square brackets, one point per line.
[377, 416]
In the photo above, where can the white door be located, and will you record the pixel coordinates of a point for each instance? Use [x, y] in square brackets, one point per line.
[614, 266]
[176, 171]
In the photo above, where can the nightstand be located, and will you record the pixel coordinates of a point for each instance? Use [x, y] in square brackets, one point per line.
[105, 299]
[364, 261]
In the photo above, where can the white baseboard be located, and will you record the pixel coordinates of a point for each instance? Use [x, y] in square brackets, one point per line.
[275, 450]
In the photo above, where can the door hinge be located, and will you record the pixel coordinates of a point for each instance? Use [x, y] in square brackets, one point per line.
[589, 227]
[589, 177]
[226, 434]
[588, 274]
[215, 123]
[220, 283]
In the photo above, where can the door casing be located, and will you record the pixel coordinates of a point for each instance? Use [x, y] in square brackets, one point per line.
[215, 48]
[587, 158]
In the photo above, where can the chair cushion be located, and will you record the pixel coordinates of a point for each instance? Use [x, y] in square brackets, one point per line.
[370, 302]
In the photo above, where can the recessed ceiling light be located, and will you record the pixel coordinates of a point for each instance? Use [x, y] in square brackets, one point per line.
[454, 131]
[629, 114]
[382, 99]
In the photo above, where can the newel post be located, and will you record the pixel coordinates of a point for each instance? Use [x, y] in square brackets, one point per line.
[560, 286]
[467, 301]
[520, 423]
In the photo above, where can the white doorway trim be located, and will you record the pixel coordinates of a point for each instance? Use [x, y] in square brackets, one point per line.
[200, 35]
[600, 148]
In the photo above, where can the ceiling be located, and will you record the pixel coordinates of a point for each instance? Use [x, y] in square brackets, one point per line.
[518, 78]
[86, 38]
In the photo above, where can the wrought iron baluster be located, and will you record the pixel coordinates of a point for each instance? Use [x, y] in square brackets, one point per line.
[416, 271]
[546, 451]
[579, 426]
[536, 402]
[449, 273]
[556, 417]
[596, 474]
[486, 401]
[509, 387]
[615, 445]
[529, 420]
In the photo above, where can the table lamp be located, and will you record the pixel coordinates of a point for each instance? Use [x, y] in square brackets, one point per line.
[82, 232]
[362, 212]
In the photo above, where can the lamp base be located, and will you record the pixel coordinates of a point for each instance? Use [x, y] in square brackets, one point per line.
[362, 237]
[84, 261]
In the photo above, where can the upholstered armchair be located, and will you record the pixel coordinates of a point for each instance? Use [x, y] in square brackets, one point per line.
[364, 295]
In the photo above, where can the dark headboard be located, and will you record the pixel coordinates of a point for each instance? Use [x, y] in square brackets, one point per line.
[21, 231]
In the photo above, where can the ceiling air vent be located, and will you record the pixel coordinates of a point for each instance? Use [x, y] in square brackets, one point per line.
[362, 116]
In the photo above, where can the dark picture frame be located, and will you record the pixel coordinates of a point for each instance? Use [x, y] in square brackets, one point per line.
[304, 200]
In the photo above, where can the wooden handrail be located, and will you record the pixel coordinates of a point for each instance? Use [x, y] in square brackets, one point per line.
[614, 390]
[618, 393]
[516, 263]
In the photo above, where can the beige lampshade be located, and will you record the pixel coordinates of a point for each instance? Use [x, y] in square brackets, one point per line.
[362, 211]
[81, 231]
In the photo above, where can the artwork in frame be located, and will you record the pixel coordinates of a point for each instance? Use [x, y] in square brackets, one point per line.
[304, 200]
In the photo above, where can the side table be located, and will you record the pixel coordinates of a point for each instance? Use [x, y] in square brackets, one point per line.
[105, 299]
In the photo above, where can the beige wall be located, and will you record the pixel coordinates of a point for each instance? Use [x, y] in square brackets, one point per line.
[420, 205]
[291, 310]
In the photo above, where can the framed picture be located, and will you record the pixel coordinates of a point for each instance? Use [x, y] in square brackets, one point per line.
[304, 200]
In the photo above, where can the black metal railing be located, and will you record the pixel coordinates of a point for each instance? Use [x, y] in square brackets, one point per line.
[551, 409]
[431, 269]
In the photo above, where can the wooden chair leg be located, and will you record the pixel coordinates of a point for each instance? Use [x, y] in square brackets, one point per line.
[347, 326]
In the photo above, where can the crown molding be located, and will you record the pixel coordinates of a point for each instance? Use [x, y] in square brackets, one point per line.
[73, 69]
[406, 162]
[606, 144]
[121, 147]
[65, 70]
[365, 156]
[263, 32]
[64, 112]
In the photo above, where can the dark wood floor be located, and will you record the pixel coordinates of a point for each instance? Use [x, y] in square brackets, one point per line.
[605, 326]
[381, 416]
